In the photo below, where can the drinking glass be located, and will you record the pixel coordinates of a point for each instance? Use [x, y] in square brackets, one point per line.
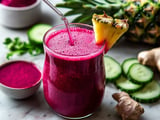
[73, 84]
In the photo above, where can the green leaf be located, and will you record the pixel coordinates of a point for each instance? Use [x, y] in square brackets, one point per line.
[74, 12]
[7, 41]
[113, 1]
[18, 47]
[70, 4]
[9, 55]
[17, 52]
[82, 19]
[86, 19]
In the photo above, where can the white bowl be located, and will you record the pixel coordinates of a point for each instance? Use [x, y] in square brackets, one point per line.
[20, 17]
[20, 93]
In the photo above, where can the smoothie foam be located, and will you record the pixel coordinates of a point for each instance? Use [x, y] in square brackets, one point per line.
[84, 44]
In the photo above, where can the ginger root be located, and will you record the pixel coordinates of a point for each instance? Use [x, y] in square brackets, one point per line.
[150, 58]
[127, 107]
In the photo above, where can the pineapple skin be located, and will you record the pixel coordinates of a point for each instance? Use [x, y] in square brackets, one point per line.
[143, 16]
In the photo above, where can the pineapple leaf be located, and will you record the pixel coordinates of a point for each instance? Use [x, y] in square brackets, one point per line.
[88, 2]
[108, 8]
[86, 19]
[89, 6]
[98, 2]
[83, 19]
[119, 14]
[113, 1]
[70, 4]
[74, 12]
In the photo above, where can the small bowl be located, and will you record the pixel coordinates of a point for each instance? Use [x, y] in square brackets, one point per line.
[20, 17]
[20, 92]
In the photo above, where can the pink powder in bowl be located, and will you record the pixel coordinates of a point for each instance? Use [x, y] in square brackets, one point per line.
[17, 3]
[19, 74]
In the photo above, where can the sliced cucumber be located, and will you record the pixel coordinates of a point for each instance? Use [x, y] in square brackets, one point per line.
[125, 85]
[112, 68]
[150, 93]
[140, 74]
[36, 33]
[127, 63]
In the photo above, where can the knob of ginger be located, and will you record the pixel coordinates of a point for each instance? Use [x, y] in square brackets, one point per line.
[127, 107]
[150, 57]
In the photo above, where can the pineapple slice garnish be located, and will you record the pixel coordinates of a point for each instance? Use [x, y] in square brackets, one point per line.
[108, 30]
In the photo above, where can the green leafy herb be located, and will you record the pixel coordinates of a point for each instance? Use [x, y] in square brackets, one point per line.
[19, 47]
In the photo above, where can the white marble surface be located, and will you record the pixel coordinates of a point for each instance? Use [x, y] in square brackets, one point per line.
[36, 108]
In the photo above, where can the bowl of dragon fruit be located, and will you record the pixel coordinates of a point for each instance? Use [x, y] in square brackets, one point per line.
[19, 13]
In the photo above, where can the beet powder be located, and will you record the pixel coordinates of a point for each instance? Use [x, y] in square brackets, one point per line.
[19, 74]
[17, 3]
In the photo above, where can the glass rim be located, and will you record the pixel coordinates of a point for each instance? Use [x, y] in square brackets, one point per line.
[70, 57]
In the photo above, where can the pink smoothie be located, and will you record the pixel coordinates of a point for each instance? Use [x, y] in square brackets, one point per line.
[19, 74]
[17, 3]
[73, 76]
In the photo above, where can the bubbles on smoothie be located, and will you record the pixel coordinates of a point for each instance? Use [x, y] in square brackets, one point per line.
[84, 42]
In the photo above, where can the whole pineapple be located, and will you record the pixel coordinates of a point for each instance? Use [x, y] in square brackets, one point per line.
[143, 15]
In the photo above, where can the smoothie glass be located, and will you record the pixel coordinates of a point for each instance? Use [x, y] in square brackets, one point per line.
[73, 75]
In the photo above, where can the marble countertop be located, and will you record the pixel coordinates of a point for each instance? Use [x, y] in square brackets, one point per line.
[36, 108]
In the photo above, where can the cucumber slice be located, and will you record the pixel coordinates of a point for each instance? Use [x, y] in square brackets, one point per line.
[125, 85]
[112, 68]
[36, 33]
[127, 63]
[150, 93]
[140, 74]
